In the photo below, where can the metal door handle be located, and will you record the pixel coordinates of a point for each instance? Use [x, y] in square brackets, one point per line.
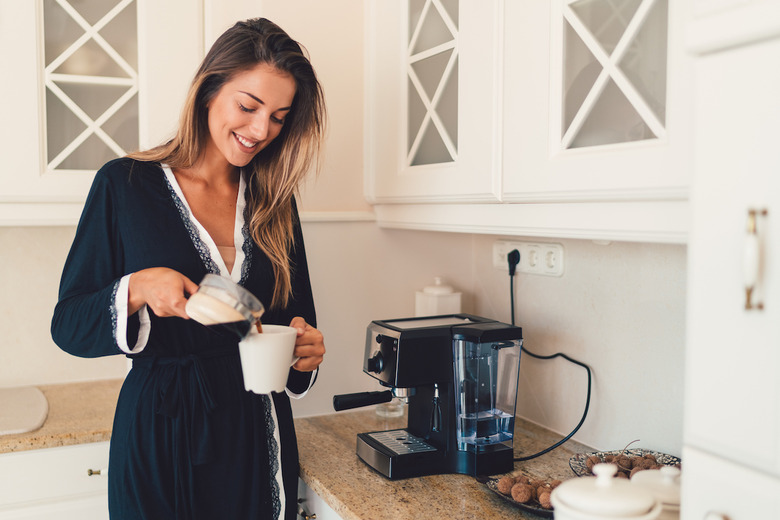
[303, 513]
[751, 262]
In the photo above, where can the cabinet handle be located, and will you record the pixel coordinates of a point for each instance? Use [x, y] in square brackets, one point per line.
[303, 513]
[752, 258]
[96, 472]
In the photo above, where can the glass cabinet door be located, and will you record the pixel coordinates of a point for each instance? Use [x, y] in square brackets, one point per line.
[614, 72]
[91, 82]
[433, 100]
[432, 92]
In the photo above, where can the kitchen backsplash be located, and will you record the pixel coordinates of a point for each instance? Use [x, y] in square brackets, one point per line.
[618, 307]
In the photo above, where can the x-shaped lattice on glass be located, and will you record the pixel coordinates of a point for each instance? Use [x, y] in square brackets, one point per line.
[613, 51]
[63, 84]
[432, 69]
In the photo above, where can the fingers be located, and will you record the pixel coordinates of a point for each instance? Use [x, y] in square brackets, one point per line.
[309, 346]
[164, 290]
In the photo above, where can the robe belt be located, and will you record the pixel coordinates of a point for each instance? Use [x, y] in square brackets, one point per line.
[184, 395]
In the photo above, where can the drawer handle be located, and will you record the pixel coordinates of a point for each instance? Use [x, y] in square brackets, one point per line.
[93, 472]
[303, 513]
[752, 259]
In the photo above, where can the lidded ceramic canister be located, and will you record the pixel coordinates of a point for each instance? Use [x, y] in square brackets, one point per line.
[437, 299]
[603, 497]
[664, 484]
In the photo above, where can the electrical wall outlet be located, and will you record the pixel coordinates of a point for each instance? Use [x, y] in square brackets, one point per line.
[535, 257]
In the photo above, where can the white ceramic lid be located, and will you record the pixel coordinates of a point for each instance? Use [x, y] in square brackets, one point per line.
[663, 483]
[438, 287]
[604, 496]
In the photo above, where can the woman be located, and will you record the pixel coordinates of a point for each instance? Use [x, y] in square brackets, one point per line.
[188, 441]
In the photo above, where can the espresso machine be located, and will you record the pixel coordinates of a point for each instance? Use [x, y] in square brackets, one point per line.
[458, 374]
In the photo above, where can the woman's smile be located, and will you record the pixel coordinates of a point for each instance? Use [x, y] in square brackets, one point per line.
[245, 143]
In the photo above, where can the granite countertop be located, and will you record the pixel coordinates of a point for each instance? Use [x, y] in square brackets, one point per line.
[83, 412]
[331, 469]
[78, 413]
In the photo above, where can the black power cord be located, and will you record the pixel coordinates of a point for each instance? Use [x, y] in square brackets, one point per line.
[513, 258]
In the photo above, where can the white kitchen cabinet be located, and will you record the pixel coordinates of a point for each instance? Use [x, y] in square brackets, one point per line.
[522, 168]
[55, 483]
[714, 489]
[312, 506]
[432, 107]
[596, 101]
[732, 393]
[77, 93]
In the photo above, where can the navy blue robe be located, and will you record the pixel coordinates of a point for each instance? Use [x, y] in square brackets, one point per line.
[188, 441]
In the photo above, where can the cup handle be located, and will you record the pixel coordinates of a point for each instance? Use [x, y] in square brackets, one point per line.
[295, 360]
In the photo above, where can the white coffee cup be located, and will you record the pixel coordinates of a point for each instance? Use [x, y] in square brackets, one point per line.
[266, 358]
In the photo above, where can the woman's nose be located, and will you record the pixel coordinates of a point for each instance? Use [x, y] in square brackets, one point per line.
[259, 127]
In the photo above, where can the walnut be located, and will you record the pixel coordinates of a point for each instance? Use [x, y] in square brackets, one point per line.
[522, 493]
[505, 484]
[544, 500]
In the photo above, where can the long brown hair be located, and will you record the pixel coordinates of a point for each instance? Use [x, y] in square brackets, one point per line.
[275, 173]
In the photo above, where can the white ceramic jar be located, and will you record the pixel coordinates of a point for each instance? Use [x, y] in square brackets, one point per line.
[664, 484]
[603, 497]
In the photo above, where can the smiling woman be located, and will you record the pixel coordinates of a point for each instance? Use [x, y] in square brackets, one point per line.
[189, 441]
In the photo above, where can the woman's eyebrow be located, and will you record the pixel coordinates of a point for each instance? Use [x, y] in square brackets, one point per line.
[260, 100]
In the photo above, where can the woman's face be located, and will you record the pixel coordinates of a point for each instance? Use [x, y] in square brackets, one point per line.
[248, 112]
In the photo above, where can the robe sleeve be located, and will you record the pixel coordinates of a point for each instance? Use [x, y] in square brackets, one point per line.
[90, 318]
[298, 383]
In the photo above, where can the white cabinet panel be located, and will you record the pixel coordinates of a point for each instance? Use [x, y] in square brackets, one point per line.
[733, 393]
[717, 490]
[37, 483]
[313, 505]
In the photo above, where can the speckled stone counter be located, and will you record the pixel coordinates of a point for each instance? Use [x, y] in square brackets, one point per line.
[330, 467]
[78, 413]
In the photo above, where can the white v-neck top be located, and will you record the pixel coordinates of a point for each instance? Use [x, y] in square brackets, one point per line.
[238, 225]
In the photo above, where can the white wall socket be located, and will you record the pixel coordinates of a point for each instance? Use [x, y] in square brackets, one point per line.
[535, 257]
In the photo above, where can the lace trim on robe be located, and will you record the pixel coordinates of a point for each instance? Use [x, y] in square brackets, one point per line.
[113, 312]
[200, 246]
[273, 458]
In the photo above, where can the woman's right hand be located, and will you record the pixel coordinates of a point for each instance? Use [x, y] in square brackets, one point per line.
[164, 290]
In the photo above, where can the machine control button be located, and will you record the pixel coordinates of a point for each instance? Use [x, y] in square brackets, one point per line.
[376, 363]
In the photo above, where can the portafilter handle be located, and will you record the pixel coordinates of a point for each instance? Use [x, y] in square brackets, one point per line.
[359, 399]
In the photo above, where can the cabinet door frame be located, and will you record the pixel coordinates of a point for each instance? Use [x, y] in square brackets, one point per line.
[475, 175]
[29, 195]
[536, 169]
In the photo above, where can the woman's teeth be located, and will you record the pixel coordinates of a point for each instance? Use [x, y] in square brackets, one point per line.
[245, 142]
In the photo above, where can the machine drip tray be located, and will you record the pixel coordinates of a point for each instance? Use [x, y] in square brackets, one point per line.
[399, 454]
[401, 442]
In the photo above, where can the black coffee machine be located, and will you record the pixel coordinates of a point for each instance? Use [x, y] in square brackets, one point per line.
[458, 374]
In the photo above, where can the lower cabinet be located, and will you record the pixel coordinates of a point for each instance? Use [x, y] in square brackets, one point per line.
[311, 505]
[716, 489]
[66, 483]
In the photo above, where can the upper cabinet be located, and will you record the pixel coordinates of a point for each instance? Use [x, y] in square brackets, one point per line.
[432, 94]
[572, 116]
[596, 101]
[87, 82]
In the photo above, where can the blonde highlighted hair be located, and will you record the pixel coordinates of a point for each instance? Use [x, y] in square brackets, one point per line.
[275, 174]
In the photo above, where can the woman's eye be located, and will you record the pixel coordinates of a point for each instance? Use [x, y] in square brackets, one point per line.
[245, 109]
[277, 120]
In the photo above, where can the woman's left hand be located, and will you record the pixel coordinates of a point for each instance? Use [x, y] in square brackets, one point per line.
[309, 346]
